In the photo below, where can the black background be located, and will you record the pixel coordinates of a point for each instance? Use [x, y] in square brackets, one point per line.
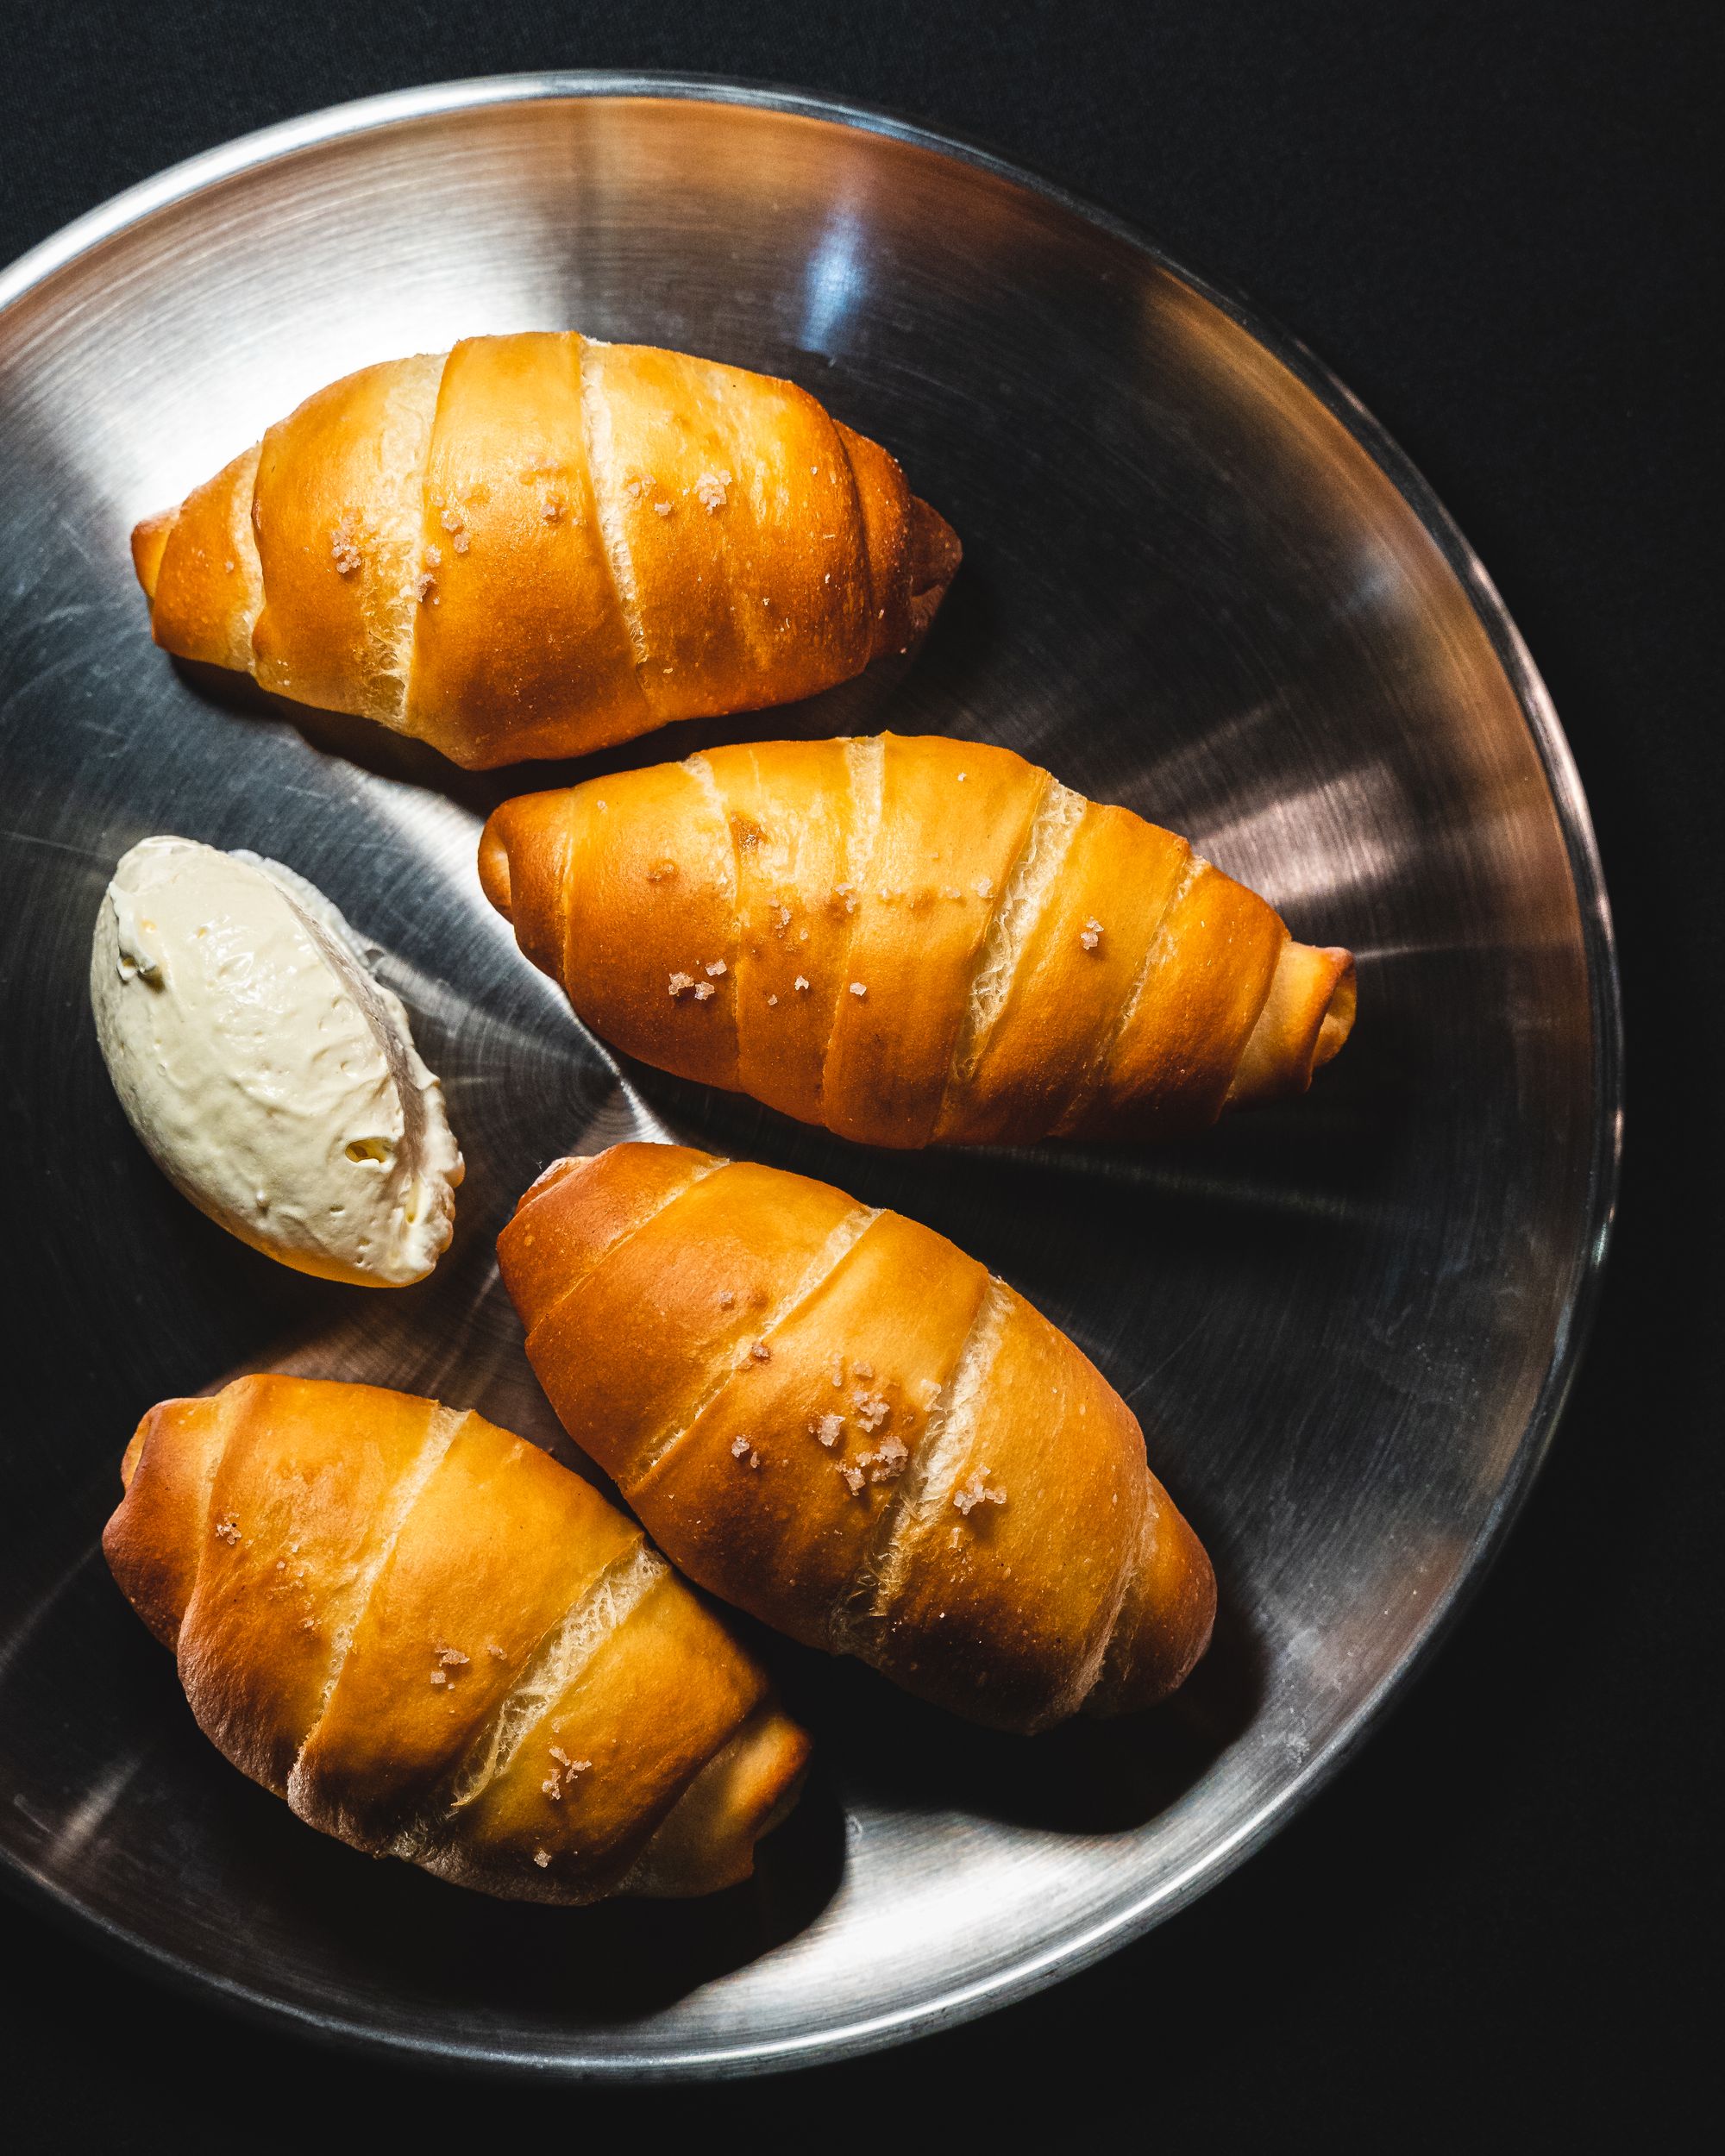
[1495, 221]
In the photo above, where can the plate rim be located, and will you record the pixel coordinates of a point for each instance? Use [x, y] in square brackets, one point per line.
[1036, 1971]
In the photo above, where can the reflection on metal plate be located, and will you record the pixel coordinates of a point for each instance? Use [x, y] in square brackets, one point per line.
[1197, 581]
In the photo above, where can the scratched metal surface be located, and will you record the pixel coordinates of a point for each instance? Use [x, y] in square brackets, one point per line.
[1197, 581]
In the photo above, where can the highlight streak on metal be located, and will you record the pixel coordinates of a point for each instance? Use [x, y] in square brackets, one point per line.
[1200, 581]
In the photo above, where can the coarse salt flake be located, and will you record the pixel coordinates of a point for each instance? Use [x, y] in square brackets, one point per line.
[888, 1460]
[978, 1491]
[344, 548]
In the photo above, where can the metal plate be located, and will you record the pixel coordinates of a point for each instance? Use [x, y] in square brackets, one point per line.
[1198, 580]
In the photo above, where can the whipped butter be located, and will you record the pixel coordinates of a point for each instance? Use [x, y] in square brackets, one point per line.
[273, 1081]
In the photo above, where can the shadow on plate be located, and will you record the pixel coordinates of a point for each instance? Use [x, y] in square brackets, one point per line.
[1085, 1777]
[1254, 1196]
[864, 705]
[387, 1923]
[160, 1838]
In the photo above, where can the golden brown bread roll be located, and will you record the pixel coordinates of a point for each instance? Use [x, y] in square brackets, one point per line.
[437, 1643]
[836, 1419]
[536, 544]
[913, 942]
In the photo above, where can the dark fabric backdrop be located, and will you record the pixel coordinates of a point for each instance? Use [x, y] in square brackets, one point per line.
[1492, 218]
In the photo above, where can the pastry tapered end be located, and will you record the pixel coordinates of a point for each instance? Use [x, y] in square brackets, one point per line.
[1165, 1622]
[522, 864]
[934, 555]
[129, 1459]
[198, 566]
[149, 543]
[1337, 1022]
[494, 867]
[1305, 1021]
[150, 1542]
[707, 1839]
[936, 552]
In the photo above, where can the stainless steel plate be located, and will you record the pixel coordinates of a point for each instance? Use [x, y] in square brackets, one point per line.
[1198, 580]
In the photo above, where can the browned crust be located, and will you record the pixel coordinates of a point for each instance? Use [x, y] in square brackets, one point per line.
[568, 1218]
[541, 545]
[521, 648]
[334, 539]
[779, 1531]
[833, 1509]
[808, 922]
[652, 940]
[915, 951]
[357, 1580]
[1168, 1069]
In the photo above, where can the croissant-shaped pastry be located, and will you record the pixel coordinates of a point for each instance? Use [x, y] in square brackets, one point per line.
[536, 544]
[437, 1643]
[833, 1417]
[913, 941]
